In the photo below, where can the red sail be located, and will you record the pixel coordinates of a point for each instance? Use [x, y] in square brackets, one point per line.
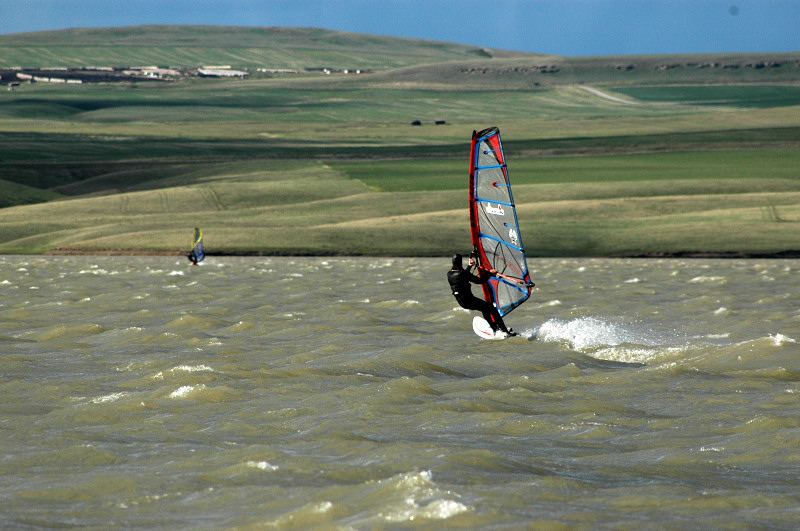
[494, 225]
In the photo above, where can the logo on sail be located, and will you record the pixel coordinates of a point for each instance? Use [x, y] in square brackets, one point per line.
[497, 211]
[513, 236]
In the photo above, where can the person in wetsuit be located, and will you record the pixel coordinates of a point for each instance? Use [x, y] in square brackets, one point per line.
[460, 279]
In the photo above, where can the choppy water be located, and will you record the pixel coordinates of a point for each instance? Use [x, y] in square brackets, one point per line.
[352, 393]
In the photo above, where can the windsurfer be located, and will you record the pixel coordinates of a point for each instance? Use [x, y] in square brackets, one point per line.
[460, 278]
[197, 254]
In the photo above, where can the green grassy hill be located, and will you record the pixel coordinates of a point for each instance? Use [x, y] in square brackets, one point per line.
[242, 47]
[520, 73]
[668, 156]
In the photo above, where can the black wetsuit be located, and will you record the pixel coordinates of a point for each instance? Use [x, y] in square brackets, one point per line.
[459, 280]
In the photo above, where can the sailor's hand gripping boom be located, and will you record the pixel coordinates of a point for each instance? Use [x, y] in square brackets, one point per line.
[515, 280]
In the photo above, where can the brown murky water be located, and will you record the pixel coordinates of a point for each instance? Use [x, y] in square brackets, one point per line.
[141, 392]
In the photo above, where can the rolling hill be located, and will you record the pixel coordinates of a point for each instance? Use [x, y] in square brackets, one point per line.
[610, 156]
[250, 47]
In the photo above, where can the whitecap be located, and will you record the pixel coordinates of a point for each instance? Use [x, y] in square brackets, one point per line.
[322, 507]
[711, 449]
[421, 499]
[633, 354]
[175, 274]
[634, 280]
[5, 283]
[185, 390]
[605, 340]
[192, 368]
[705, 279]
[261, 465]
[113, 397]
[780, 339]
[442, 509]
[720, 310]
[585, 333]
[93, 271]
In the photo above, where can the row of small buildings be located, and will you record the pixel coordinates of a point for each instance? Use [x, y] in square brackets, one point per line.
[16, 75]
[89, 74]
[45, 79]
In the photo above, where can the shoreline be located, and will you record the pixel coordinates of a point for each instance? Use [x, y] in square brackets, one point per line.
[786, 254]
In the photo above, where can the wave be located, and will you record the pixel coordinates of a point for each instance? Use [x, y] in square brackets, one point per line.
[262, 465]
[708, 279]
[203, 393]
[607, 340]
[71, 331]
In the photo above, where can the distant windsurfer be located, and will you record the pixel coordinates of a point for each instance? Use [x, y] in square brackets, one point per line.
[197, 254]
[460, 279]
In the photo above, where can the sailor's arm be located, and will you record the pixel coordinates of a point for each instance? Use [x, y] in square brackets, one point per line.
[515, 280]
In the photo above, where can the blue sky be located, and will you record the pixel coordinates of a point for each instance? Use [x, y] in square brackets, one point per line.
[566, 27]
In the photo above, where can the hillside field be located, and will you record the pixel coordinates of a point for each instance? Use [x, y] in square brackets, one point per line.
[635, 156]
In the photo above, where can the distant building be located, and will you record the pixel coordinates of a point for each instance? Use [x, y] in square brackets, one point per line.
[208, 72]
[277, 70]
[327, 70]
[152, 72]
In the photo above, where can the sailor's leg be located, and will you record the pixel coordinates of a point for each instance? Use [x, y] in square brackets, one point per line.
[496, 321]
[491, 316]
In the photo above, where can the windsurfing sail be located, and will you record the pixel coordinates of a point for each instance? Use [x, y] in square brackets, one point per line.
[494, 225]
[198, 252]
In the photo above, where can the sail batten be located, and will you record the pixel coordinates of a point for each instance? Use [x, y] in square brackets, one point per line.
[494, 225]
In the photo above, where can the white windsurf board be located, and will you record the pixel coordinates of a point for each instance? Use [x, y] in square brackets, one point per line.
[484, 331]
